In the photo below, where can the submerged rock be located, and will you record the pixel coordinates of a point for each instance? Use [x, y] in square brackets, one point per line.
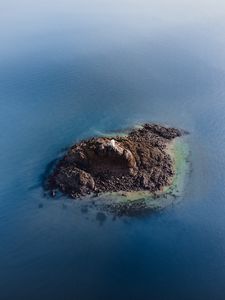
[138, 161]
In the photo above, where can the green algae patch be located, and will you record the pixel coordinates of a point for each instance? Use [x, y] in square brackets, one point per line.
[180, 152]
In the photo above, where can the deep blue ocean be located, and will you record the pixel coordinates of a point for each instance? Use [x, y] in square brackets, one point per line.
[73, 69]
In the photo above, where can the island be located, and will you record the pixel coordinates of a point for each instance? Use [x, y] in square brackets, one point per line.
[139, 160]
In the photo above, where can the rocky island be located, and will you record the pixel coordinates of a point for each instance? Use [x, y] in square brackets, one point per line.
[138, 161]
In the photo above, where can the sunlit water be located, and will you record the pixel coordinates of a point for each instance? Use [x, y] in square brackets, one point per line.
[69, 70]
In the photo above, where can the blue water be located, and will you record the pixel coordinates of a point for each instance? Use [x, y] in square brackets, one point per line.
[72, 69]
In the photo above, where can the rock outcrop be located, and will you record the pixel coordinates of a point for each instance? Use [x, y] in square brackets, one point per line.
[139, 161]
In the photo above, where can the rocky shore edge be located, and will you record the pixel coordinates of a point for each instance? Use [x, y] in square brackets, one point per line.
[139, 161]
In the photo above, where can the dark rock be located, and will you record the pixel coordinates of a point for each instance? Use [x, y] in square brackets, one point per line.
[53, 193]
[101, 218]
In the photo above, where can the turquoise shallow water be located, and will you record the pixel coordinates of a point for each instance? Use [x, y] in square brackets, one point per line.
[70, 70]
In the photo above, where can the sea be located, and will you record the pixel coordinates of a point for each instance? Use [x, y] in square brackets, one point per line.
[73, 69]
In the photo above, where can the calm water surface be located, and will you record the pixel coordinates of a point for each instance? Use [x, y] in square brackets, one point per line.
[73, 69]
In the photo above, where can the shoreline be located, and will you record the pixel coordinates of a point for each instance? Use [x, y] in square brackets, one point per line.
[138, 169]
